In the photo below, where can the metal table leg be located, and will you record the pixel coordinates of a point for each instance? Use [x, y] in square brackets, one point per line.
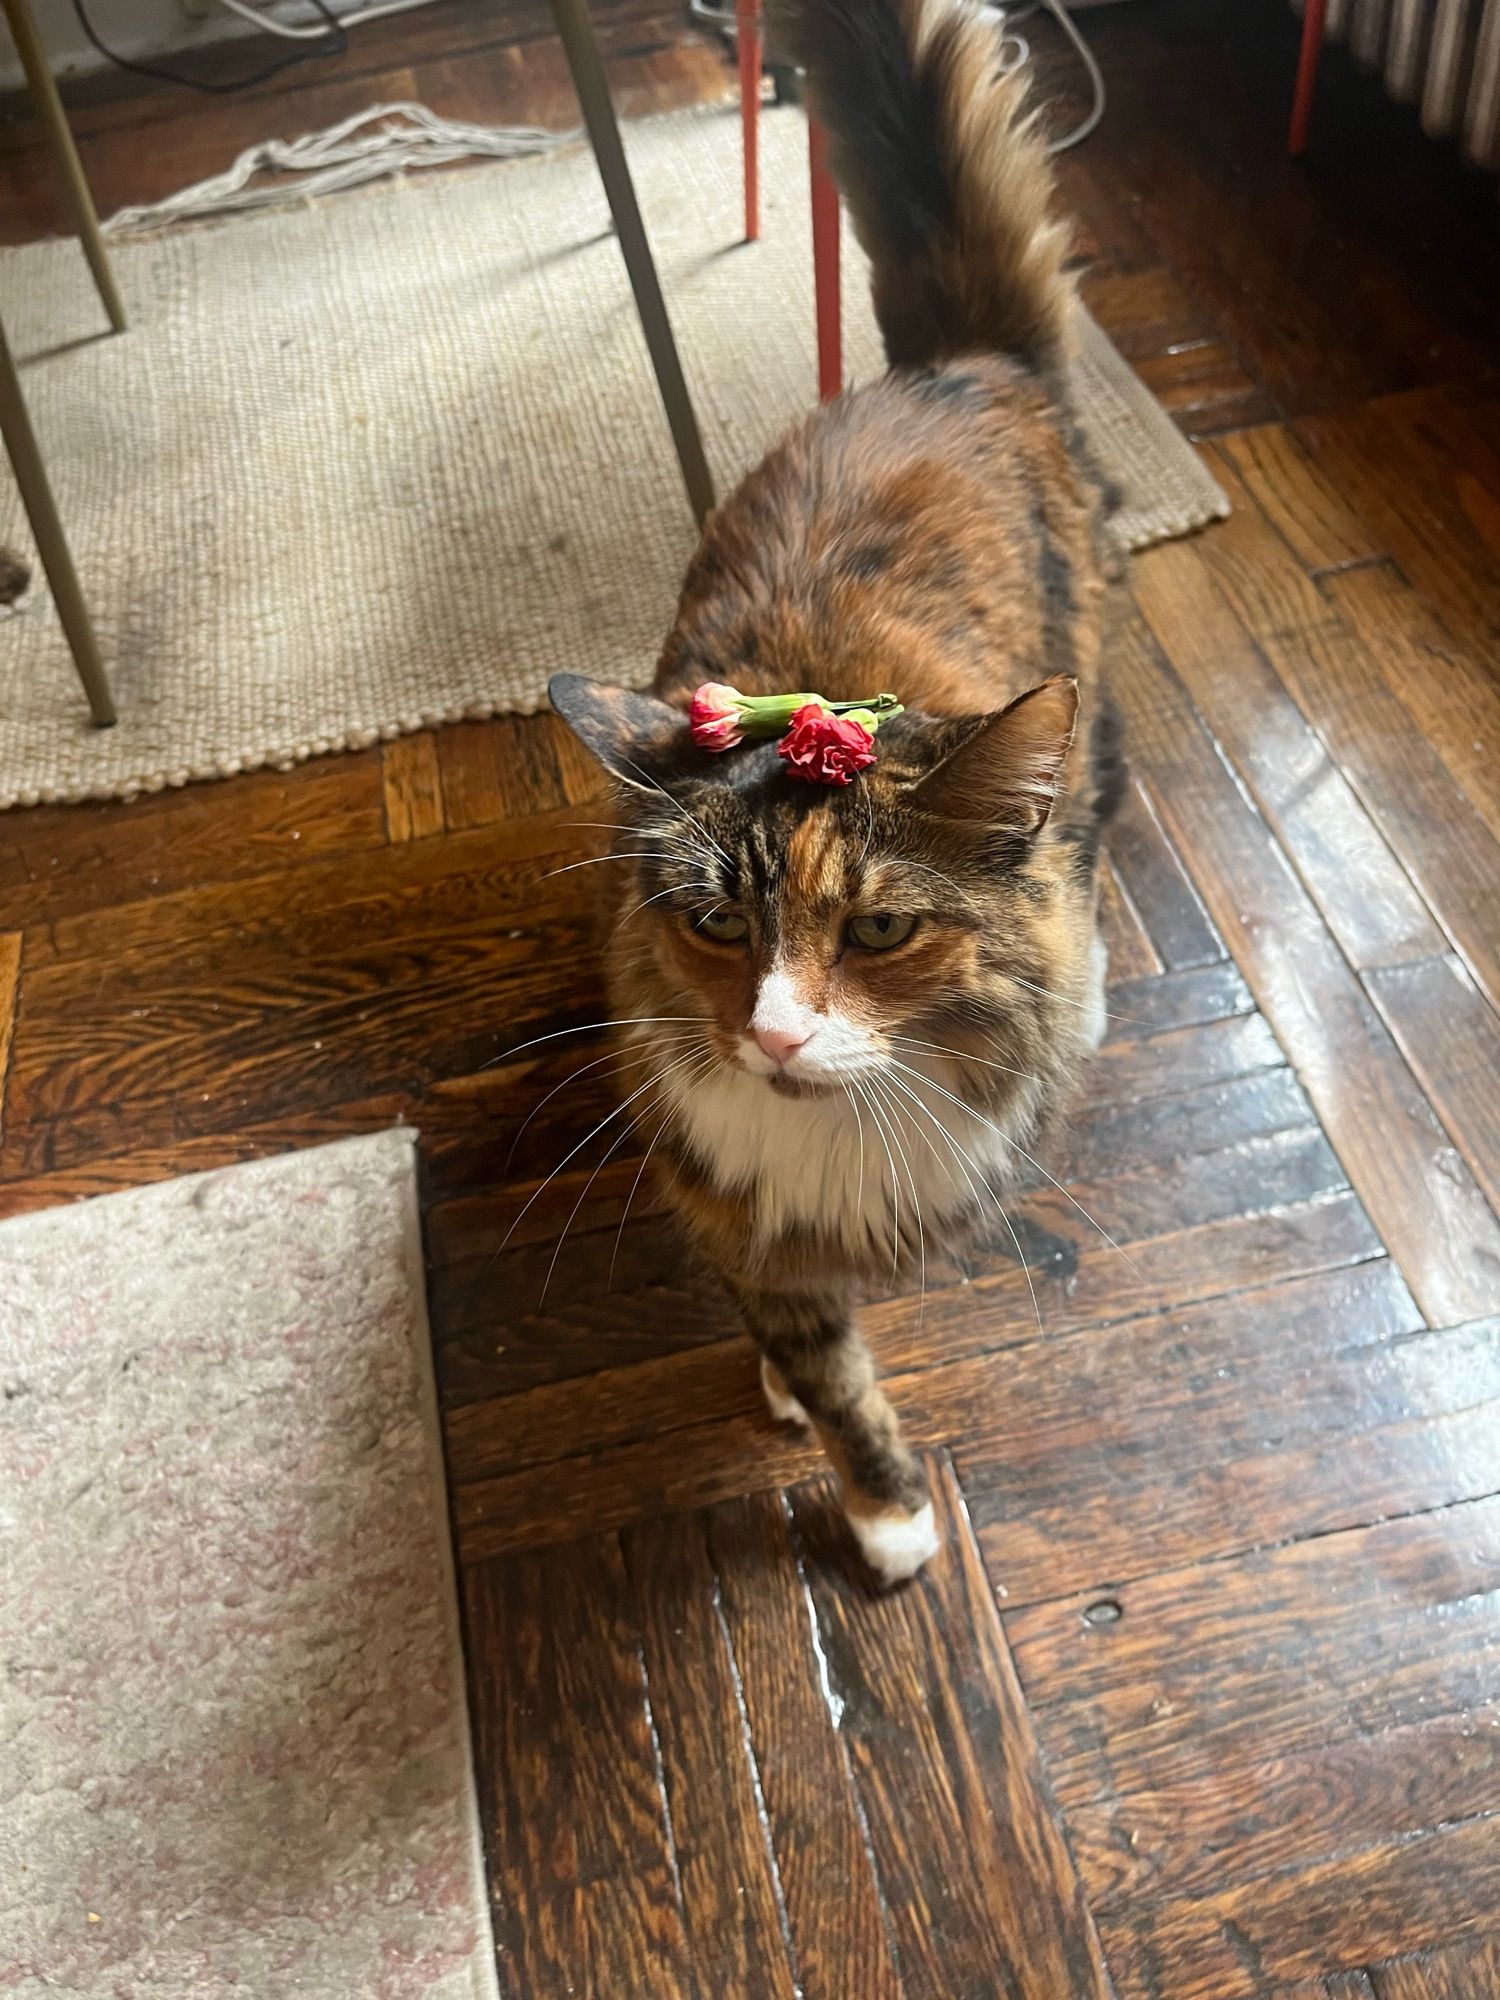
[576, 30]
[80, 201]
[57, 559]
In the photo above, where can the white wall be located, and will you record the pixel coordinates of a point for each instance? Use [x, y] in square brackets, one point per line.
[137, 28]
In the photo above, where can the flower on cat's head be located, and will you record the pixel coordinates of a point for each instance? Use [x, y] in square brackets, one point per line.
[823, 742]
[826, 749]
[716, 716]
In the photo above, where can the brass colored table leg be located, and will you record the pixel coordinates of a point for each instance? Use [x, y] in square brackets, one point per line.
[57, 559]
[49, 104]
[576, 30]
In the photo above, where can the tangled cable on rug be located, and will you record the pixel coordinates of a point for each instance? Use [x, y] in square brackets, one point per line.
[387, 139]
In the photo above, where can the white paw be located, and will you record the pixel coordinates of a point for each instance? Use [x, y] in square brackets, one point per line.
[896, 1544]
[783, 1406]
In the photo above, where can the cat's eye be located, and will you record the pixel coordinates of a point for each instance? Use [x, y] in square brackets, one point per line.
[723, 926]
[880, 933]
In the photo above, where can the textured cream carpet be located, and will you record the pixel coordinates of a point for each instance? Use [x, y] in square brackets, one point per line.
[235, 1749]
[394, 459]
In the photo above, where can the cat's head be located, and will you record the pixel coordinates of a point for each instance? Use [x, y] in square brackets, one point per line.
[827, 932]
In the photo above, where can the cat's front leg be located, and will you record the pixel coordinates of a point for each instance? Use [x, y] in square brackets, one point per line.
[816, 1363]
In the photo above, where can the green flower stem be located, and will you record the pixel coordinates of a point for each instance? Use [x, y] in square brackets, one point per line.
[771, 714]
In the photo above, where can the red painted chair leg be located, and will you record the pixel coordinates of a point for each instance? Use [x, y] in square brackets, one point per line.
[748, 46]
[1314, 17]
[825, 235]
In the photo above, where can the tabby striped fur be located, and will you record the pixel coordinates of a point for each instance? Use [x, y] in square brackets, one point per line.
[823, 1113]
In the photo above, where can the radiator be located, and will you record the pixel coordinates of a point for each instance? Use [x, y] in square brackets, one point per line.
[1441, 55]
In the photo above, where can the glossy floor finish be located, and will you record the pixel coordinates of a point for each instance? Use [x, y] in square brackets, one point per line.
[1205, 1688]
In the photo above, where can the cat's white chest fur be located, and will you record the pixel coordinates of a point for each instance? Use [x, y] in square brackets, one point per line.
[819, 1163]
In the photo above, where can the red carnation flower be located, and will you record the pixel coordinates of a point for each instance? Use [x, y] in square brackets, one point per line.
[715, 717]
[826, 749]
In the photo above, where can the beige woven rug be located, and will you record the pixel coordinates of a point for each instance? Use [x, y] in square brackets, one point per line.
[394, 459]
[236, 1757]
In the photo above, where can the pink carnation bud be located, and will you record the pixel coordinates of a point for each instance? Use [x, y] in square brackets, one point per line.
[826, 749]
[715, 716]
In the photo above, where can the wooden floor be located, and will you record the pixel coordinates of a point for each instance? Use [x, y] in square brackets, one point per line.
[1205, 1687]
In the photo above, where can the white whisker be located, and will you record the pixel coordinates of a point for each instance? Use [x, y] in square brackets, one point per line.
[608, 1119]
[666, 1119]
[614, 1146]
[672, 889]
[963, 1055]
[905, 861]
[962, 1154]
[618, 1055]
[1083, 1006]
[1006, 1139]
[595, 860]
[880, 1131]
[678, 806]
[879, 1084]
[859, 1198]
[589, 1028]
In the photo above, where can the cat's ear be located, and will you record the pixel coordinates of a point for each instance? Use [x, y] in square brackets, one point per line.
[634, 736]
[1005, 770]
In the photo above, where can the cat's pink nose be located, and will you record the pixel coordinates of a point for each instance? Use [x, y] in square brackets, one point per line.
[779, 1045]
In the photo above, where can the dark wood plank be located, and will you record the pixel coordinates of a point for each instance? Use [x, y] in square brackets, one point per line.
[1109, 1136]
[1305, 508]
[622, 1298]
[1360, 269]
[1299, 1683]
[1253, 1819]
[56, 861]
[840, 1943]
[412, 886]
[1341, 688]
[1131, 952]
[583, 1876]
[1358, 884]
[1400, 484]
[976, 1877]
[1314, 1406]
[1182, 1061]
[1159, 887]
[501, 770]
[1226, 1946]
[731, 1895]
[705, 1404]
[1448, 689]
[1275, 1653]
[1203, 384]
[1468, 1971]
[1419, 1194]
[1451, 1038]
[1144, 312]
[263, 1022]
[136, 1163]
[413, 785]
[1177, 1000]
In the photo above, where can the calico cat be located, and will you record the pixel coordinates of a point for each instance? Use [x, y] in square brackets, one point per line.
[860, 1004]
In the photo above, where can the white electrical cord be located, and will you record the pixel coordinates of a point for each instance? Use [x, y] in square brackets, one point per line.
[387, 139]
[1008, 19]
[1014, 49]
[1091, 68]
[318, 31]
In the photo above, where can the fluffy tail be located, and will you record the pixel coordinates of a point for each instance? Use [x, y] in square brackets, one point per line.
[945, 174]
